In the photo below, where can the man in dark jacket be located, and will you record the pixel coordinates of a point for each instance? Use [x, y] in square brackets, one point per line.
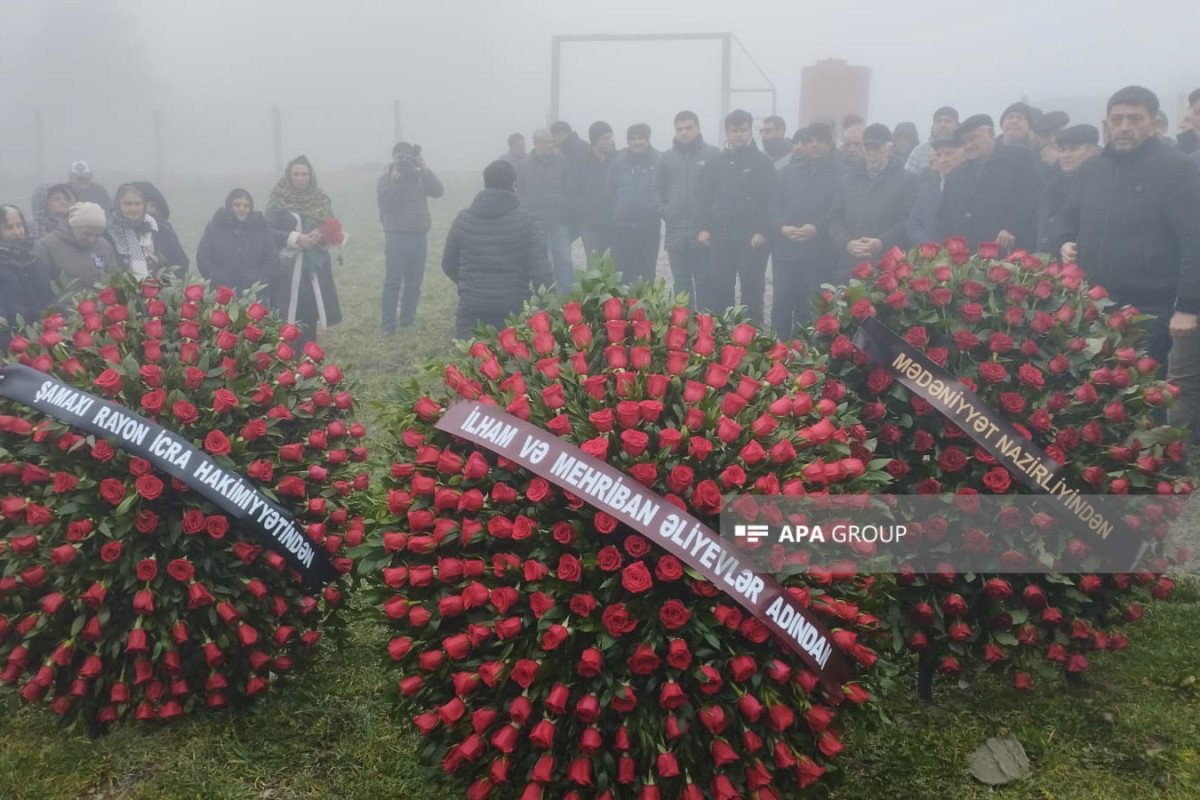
[1133, 224]
[589, 188]
[543, 184]
[84, 188]
[993, 197]
[515, 153]
[924, 220]
[775, 142]
[739, 185]
[1074, 146]
[679, 181]
[495, 252]
[637, 212]
[871, 203]
[1189, 139]
[404, 212]
[801, 251]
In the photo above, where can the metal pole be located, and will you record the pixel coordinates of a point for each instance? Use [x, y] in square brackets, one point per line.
[277, 129]
[159, 156]
[396, 120]
[726, 79]
[555, 76]
[41, 144]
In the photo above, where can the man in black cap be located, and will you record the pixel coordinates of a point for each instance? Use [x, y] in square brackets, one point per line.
[1016, 124]
[924, 220]
[945, 120]
[589, 191]
[801, 251]
[1133, 224]
[871, 203]
[993, 196]
[1074, 146]
[1044, 132]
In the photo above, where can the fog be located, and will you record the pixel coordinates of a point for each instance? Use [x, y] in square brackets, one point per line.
[466, 74]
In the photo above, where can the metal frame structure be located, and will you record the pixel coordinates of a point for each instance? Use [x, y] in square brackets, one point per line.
[727, 41]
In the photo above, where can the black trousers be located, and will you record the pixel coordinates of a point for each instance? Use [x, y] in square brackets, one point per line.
[794, 282]
[689, 270]
[635, 251]
[735, 261]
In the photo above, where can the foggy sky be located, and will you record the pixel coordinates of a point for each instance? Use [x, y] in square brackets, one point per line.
[469, 73]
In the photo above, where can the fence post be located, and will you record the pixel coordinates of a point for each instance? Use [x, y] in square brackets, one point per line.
[41, 145]
[277, 132]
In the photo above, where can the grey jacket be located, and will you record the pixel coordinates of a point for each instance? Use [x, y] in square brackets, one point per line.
[543, 185]
[679, 181]
[403, 207]
[69, 263]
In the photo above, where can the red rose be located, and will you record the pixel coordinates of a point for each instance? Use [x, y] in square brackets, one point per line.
[636, 578]
[108, 382]
[952, 460]
[634, 442]
[997, 480]
[616, 620]
[993, 372]
[184, 411]
[609, 559]
[217, 443]
[149, 487]
[181, 570]
[674, 615]
[112, 491]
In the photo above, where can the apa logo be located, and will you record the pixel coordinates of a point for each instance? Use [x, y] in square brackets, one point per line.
[751, 533]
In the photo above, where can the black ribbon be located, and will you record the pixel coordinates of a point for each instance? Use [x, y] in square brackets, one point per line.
[172, 455]
[988, 428]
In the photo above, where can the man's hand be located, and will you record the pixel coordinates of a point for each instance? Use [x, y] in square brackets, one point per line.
[1182, 324]
[703, 237]
[858, 248]
[791, 232]
[758, 240]
[1068, 253]
[807, 231]
[1006, 240]
[874, 246]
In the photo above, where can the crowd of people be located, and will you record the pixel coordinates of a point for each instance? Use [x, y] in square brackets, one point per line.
[77, 233]
[1122, 199]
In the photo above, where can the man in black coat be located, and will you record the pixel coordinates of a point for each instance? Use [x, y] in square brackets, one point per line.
[1074, 146]
[739, 185]
[679, 183]
[871, 204]
[496, 253]
[1133, 224]
[802, 252]
[589, 188]
[993, 197]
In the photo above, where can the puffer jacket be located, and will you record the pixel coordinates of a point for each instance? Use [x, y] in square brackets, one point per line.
[496, 253]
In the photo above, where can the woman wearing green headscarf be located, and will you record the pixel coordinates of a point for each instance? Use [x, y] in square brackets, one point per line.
[298, 213]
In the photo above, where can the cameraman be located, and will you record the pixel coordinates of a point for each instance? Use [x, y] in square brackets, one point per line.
[404, 212]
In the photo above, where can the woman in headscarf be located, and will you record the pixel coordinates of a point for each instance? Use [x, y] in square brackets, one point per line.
[166, 239]
[304, 291]
[134, 233]
[49, 206]
[24, 289]
[237, 249]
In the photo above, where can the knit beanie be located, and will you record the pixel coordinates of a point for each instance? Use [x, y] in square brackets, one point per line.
[86, 215]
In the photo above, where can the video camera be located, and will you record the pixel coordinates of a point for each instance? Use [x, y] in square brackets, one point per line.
[406, 160]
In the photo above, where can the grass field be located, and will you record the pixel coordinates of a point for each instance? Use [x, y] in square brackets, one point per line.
[1132, 731]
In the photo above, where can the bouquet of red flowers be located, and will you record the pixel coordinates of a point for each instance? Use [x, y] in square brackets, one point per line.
[547, 650]
[1063, 364]
[123, 592]
[331, 232]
